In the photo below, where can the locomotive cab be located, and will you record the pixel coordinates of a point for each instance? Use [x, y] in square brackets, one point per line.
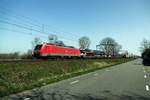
[48, 50]
[36, 52]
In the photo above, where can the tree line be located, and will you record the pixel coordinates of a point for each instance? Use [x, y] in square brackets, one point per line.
[107, 45]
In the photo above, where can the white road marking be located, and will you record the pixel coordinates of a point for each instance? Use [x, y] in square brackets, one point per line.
[144, 71]
[143, 68]
[95, 74]
[147, 88]
[27, 99]
[74, 82]
[145, 76]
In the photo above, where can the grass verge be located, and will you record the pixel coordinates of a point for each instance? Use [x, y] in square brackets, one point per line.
[18, 76]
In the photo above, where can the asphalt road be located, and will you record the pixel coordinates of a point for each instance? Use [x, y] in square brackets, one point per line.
[128, 81]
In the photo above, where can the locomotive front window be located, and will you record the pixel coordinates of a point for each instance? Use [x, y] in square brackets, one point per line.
[38, 47]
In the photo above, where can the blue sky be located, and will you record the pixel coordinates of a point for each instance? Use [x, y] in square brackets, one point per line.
[127, 21]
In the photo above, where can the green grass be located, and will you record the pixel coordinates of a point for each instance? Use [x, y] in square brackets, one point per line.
[18, 76]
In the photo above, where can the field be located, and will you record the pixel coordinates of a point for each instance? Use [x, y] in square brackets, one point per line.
[17, 76]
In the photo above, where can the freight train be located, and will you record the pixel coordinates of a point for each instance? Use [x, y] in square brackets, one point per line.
[48, 50]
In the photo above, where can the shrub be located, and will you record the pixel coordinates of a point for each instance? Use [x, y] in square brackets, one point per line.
[146, 57]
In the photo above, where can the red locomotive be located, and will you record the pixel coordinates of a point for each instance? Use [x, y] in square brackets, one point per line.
[54, 50]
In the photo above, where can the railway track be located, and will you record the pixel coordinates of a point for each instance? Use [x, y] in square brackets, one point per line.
[58, 59]
[21, 60]
[38, 60]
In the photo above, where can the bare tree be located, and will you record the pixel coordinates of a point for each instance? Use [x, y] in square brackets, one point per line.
[14, 55]
[110, 46]
[117, 48]
[36, 41]
[27, 55]
[84, 43]
[52, 38]
[145, 44]
[29, 52]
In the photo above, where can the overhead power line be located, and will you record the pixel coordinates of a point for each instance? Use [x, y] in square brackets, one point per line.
[31, 29]
[27, 33]
[20, 17]
[30, 20]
